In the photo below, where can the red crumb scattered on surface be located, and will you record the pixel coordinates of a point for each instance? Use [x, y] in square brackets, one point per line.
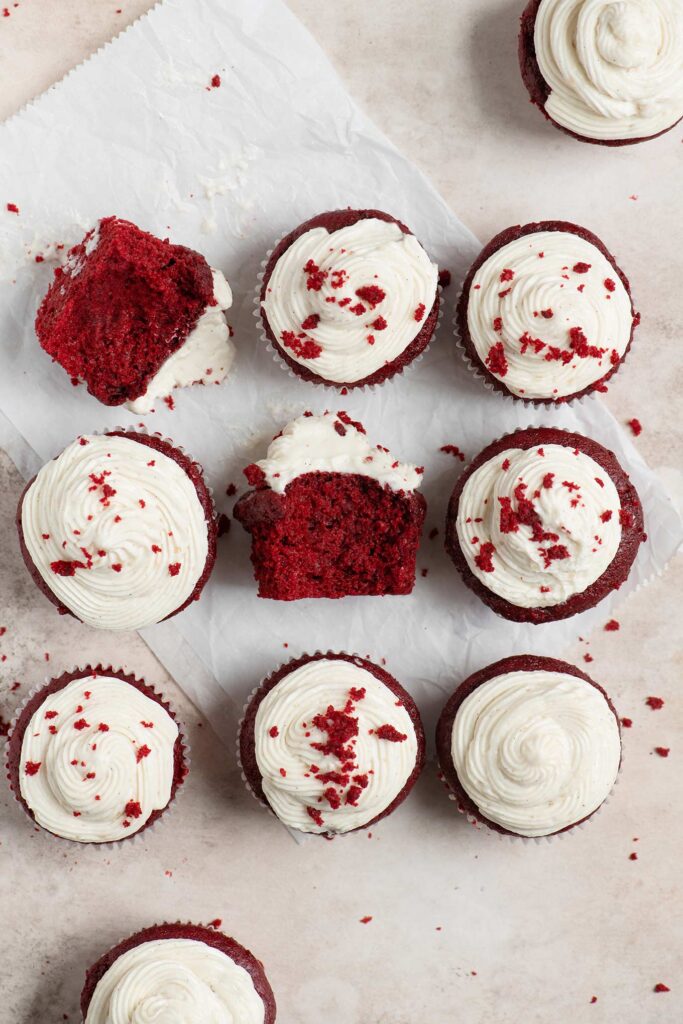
[366, 920]
[496, 359]
[663, 751]
[174, 568]
[216, 82]
[452, 449]
[656, 703]
[216, 923]
[315, 814]
[231, 490]
[133, 809]
[484, 557]
[661, 987]
[588, 658]
[223, 525]
[636, 426]
[419, 312]
[388, 732]
[32, 767]
[273, 731]
[627, 722]
[633, 856]
[612, 626]
[143, 751]
[444, 278]
[594, 999]
[12, 207]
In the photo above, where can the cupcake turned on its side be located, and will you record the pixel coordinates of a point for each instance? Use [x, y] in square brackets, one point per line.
[331, 743]
[331, 515]
[349, 298]
[529, 746]
[134, 317]
[95, 756]
[544, 524]
[545, 313]
[178, 972]
[605, 71]
[119, 530]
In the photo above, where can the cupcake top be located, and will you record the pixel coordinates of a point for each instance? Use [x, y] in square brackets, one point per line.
[116, 530]
[614, 69]
[335, 745]
[535, 751]
[176, 979]
[538, 525]
[97, 759]
[548, 314]
[330, 443]
[346, 303]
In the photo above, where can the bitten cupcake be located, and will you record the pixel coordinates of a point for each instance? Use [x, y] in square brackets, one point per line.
[546, 314]
[178, 972]
[331, 515]
[349, 298]
[543, 524]
[119, 530]
[134, 317]
[331, 743]
[95, 756]
[605, 71]
[529, 746]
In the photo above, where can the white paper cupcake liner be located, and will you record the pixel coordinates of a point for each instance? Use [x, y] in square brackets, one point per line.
[135, 837]
[338, 389]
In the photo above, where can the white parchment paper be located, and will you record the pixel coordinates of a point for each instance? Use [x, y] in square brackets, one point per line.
[138, 132]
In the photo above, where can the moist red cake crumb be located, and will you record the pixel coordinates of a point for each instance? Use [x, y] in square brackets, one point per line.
[656, 703]
[612, 626]
[444, 728]
[194, 933]
[332, 535]
[366, 920]
[452, 449]
[636, 426]
[627, 723]
[663, 751]
[113, 315]
[661, 987]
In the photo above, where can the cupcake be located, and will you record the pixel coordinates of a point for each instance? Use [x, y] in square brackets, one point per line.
[134, 317]
[604, 71]
[545, 313]
[331, 743]
[95, 756]
[349, 298]
[119, 530]
[331, 515]
[178, 972]
[529, 746]
[543, 524]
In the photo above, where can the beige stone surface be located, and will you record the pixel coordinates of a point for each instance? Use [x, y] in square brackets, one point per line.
[544, 926]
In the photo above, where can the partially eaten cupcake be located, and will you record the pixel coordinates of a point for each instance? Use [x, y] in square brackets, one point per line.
[331, 515]
[134, 317]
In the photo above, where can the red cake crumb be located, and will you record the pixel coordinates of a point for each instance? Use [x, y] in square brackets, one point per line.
[661, 987]
[444, 278]
[143, 751]
[216, 923]
[81, 724]
[581, 268]
[636, 426]
[388, 732]
[612, 626]
[588, 658]
[223, 525]
[496, 360]
[315, 814]
[174, 568]
[371, 294]
[633, 856]
[216, 82]
[656, 703]
[12, 207]
[366, 920]
[627, 723]
[32, 767]
[663, 751]
[483, 558]
[419, 312]
[133, 809]
[130, 277]
[452, 449]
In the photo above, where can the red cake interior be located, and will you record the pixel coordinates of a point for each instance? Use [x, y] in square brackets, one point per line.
[120, 307]
[332, 535]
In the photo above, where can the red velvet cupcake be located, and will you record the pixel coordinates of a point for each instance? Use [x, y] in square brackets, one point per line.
[529, 746]
[330, 515]
[119, 530]
[546, 313]
[95, 756]
[350, 298]
[544, 524]
[605, 72]
[134, 317]
[178, 972]
[331, 743]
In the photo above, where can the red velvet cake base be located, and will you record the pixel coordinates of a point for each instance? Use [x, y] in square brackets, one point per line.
[539, 90]
[195, 473]
[14, 743]
[504, 238]
[196, 933]
[334, 220]
[444, 728]
[247, 740]
[332, 535]
[619, 568]
[131, 305]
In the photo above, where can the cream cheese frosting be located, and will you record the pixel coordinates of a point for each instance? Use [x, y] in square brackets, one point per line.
[536, 751]
[116, 530]
[538, 525]
[205, 357]
[345, 303]
[334, 746]
[614, 67]
[332, 443]
[548, 315]
[169, 980]
[97, 759]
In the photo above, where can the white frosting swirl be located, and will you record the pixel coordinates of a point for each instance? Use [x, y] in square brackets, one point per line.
[349, 332]
[97, 759]
[536, 751]
[205, 357]
[614, 67]
[175, 981]
[341, 794]
[109, 502]
[554, 547]
[549, 315]
[328, 444]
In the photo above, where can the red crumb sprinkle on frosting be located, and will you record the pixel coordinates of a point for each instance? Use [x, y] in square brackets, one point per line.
[627, 723]
[663, 751]
[32, 767]
[656, 703]
[612, 626]
[143, 751]
[636, 426]
[388, 732]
